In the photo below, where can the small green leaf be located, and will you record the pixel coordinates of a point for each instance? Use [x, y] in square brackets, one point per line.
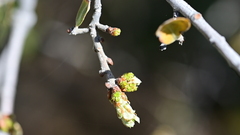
[82, 12]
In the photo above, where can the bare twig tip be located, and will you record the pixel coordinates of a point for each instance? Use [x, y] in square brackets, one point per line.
[69, 30]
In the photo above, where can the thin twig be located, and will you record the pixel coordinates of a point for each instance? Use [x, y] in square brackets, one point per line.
[103, 59]
[116, 86]
[212, 35]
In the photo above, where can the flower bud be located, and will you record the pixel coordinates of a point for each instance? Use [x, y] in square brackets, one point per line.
[123, 108]
[128, 82]
[114, 31]
[9, 125]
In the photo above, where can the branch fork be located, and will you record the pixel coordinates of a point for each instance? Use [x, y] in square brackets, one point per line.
[116, 92]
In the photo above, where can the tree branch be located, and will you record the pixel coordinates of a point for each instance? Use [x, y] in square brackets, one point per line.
[13, 52]
[116, 86]
[212, 35]
[10, 60]
[103, 59]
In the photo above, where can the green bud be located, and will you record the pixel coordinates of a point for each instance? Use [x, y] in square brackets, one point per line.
[114, 31]
[116, 96]
[128, 82]
[123, 108]
[6, 123]
[9, 125]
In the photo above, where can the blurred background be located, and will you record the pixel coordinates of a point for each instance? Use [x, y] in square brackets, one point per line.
[185, 90]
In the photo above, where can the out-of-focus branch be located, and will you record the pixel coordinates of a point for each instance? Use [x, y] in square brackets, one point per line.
[13, 52]
[212, 35]
[2, 2]
[23, 20]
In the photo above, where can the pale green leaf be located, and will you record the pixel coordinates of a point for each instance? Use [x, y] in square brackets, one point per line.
[82, 12]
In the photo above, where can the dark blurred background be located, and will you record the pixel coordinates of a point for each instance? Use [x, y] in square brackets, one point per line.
[185, 90]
